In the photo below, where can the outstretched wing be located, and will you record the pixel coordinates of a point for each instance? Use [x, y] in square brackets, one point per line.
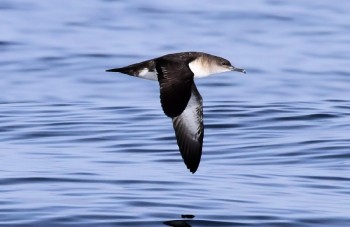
[189, 130]
[175, 81]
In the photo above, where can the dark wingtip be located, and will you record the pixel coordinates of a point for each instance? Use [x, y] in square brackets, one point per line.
[193, 169]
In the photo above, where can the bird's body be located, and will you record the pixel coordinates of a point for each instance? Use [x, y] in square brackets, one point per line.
[179, 96]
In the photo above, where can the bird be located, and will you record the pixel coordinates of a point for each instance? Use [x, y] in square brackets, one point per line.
[179, 96]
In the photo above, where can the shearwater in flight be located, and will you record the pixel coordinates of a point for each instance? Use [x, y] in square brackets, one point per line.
[179, 96]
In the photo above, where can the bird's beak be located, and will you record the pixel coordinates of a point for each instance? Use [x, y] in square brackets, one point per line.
[232, 68]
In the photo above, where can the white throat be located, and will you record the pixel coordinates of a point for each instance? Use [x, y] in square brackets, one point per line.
[199, 68]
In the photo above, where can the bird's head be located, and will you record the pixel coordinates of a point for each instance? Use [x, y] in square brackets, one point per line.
[222, 65]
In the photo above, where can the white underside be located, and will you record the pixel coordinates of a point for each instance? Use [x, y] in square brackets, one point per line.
[146, 74]
[191, 118]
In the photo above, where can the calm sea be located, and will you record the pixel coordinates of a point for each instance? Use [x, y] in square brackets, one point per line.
[81, 147]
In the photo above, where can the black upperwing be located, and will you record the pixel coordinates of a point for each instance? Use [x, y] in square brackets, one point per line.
[175, 81]
[182, 102]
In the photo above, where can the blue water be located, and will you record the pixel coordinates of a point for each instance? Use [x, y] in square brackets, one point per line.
[81, 147]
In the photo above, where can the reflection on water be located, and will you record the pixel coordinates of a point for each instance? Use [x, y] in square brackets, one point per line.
[180, 223]
[177, 223]
[83, 147]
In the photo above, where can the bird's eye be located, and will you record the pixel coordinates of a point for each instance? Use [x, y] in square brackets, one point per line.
[223, 63]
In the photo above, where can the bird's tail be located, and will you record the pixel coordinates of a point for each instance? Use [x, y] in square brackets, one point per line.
[134, 69]
[125, 70]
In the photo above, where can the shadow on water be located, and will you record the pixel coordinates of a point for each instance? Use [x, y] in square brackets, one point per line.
[179, 222]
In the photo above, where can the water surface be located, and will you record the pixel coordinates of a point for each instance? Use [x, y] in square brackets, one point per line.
[83, 147]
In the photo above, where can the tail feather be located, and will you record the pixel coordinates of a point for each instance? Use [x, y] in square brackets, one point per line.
[113, 70]
[125, 70]
[134, 69]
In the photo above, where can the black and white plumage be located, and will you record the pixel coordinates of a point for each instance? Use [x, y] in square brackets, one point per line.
[179, 96]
